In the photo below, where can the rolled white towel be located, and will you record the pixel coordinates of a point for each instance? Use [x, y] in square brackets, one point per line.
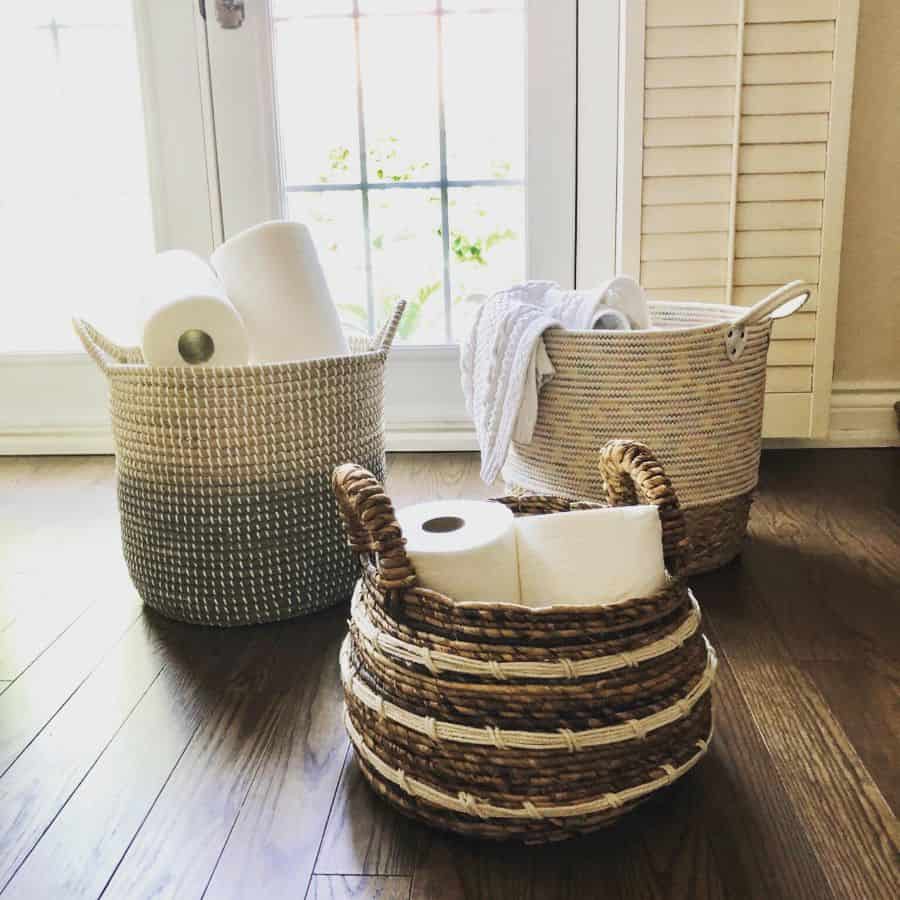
[272, 275]
[626, 296]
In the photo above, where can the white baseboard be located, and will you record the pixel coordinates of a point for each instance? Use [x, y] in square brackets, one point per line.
[862, 414]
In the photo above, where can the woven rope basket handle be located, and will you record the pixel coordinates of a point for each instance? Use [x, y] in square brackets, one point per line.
[388, 331]
[777, 305]
[373, 531]
[102, 350]
[632, 475]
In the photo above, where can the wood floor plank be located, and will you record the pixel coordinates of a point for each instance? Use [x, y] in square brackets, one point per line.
[847, 820]
[358, 887]
[175, 851]
[40, 781]
[28, 704]
[364, 835]
[272, 848]
[107, 809]
[866, 701]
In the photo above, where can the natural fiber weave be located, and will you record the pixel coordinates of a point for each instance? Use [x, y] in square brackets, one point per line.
[502, 721]
[681, 389]
[224, 492]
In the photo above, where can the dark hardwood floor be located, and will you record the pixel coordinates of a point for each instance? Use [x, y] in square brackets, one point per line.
[140, 757]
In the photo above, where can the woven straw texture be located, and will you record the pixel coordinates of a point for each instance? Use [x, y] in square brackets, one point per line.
[506, 722]
[679, 389]
[228, 517]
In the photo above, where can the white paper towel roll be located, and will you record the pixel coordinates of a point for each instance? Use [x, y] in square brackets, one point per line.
[185, 318]
[465, 549]
[272, 275]
[590, 556]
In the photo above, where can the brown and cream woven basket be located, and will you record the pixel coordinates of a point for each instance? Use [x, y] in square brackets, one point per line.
[224, 477]
[693, 390]
[505, 722]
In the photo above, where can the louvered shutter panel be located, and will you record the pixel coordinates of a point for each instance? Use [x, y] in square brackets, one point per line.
[735, 125]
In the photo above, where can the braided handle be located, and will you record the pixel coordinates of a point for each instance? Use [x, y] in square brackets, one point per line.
[632, 475]
[385, 336]
[101, 349]
[373, 531]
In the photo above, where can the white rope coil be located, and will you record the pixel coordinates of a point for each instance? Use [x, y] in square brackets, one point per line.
[437, 661]
[525, 740]
[469, 805]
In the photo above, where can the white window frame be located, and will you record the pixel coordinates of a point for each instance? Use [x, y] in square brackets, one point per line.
[215, 169]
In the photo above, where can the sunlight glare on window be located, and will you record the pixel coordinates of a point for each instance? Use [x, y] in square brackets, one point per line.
[403, 138]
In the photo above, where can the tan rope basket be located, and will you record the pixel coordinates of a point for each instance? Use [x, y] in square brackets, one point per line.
[505, 722]
[693, 390]
[224, 477]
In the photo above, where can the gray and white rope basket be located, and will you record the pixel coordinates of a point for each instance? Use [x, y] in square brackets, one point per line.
[223, 473]
[693, 390]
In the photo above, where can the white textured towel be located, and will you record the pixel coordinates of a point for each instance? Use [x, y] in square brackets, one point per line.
[504, 362]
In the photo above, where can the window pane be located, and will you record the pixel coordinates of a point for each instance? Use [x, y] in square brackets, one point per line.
[75, 210]
[287, 8]
[392, 6]
[400, 85]
[406, 260]
[487, 246]
[485, 95]
[335, 221]
[316, 86]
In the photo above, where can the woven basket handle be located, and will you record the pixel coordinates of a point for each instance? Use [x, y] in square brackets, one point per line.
[385, 337]
[373, 531]
[780, 303]
[632, 475]
[102, 350]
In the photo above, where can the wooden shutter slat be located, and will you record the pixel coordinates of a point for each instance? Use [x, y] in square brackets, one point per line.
[715, 40]
[787, 415]
[689, 189]
[687, 161]
[686, 218]
[775, 99]
[684, 273]
[792, 37]
[691, 71]
[777, 270]
[784, 129]
[689, 132]
[691, 12]
[693, 294]
[666, 103]
[755, 244]
[802, 186]
[787, 68]
[791, 353]
[789, 10]
[798, 326]
[699, 245]
[779, 215]
[788, 379]
[762, 158]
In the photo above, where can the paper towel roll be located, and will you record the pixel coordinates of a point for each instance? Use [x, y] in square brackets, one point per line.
[185, 318]
[465, 549]
[272, 275]
[590, 557]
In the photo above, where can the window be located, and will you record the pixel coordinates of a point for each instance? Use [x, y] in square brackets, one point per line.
[409, 166]
[76, 215]
[431, 145]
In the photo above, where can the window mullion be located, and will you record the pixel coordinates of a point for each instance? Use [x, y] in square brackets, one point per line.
[363, 171]
[445, 204]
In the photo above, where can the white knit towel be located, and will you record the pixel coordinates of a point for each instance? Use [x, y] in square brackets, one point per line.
[504, 362]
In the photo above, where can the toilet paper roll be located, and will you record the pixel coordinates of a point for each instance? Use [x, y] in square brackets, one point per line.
[590, 557]
[272, 275]
[465, 549]
[185, 317]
